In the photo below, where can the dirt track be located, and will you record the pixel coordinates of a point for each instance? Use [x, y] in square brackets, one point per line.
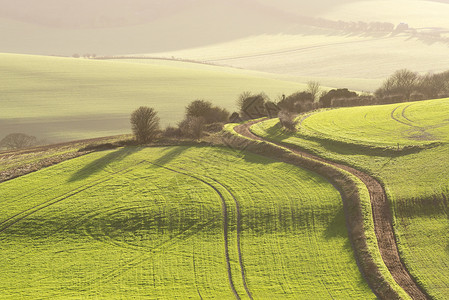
[382, 220]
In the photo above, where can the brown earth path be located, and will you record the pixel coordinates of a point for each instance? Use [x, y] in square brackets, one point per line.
[381, 214]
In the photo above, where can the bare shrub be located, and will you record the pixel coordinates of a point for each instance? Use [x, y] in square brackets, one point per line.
[403, 82]
[172, 132]
[145, 124]
[205, 109]
[192, 127]
[18, 141]
[288, 120]
[313, 87]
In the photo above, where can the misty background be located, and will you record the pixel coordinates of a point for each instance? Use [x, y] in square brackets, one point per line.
[118, 27]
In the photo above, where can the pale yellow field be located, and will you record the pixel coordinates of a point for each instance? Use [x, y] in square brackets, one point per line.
[367, 59]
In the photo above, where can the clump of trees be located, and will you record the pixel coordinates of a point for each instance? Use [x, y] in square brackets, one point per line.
[297, 102]
[407, 85]
[326, 100]
[200, 116]
[145, 124]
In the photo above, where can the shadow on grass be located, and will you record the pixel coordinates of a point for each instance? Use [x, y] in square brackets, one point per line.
[277, 133]
[102, 162]
[337, 226]
[171, 154]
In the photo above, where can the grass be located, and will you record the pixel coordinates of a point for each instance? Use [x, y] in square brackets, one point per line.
[149, 223]
[400, 125]
[15, 163]
[62, 99]
[415, 181]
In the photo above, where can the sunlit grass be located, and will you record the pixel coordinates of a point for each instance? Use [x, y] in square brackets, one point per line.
[416, 181]
[142, 222]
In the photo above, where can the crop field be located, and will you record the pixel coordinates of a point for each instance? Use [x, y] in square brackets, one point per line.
[415, 177]
[62, 99]
[167, 222]
[357, 61]
[403, 124]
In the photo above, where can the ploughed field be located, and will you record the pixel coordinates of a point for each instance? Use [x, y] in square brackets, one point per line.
[404, 146]
[175, 222]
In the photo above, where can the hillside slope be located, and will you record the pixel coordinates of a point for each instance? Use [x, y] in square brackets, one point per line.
[65, 98]
[175, 222]
[412, 171]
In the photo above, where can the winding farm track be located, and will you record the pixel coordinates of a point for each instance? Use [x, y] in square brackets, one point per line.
[381, 214]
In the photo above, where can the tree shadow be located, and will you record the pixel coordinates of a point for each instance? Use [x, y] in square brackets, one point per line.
[337, 226]
[170, 154]
[102, 162]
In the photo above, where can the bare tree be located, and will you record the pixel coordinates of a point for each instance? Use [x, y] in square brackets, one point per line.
[403, 82]
[314, 88]
[18, 141]
[432, 85]
[145, 124]
[241, 99]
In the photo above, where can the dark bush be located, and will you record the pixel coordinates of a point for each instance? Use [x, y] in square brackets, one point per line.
[252, 106]
[297, 102]
[205, 110]
[172, 132]
[235, 118]
[18, 141]
[287, 120]
[145, 124]
[192, 127]
[326, 98]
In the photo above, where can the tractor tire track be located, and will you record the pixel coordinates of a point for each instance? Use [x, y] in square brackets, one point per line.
[383, 219]
[239, 229]
[225, 223]
[403, 115]
[5, 224]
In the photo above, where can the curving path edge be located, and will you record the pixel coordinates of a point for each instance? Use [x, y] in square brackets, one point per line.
[382, 225]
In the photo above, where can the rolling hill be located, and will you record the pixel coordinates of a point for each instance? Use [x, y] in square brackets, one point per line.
[168, 222]
[64, 98]
[414, 176]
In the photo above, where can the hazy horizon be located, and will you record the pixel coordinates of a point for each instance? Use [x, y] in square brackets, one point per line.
[118, 27]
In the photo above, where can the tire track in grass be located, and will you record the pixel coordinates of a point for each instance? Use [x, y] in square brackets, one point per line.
[403, 113]
[225, 222]
[143, 257]
[383, 220]
[26, 213]
[239, 229]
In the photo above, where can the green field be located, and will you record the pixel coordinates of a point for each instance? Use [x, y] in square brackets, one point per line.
[160, 222]
[415, 177]
[65, 99]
